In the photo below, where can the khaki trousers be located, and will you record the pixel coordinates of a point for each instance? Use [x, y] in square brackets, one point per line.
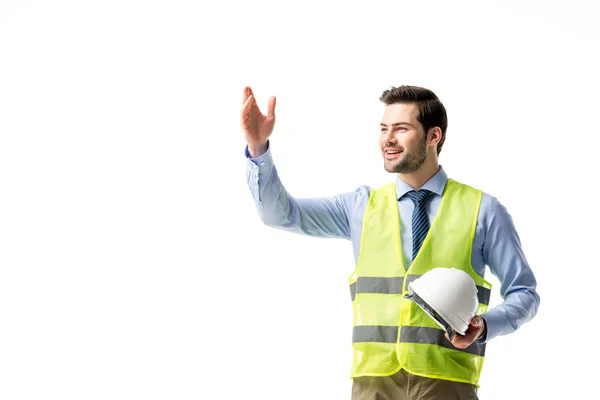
[405, 386]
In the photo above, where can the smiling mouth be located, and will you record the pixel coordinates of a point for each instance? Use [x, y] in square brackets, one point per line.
[390, 154]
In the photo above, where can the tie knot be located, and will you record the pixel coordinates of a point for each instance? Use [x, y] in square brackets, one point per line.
[418, 196]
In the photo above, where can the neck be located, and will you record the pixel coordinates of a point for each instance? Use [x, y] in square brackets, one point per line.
[417, 179]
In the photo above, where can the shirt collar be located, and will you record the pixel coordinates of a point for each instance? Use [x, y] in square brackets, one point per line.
[435, 184]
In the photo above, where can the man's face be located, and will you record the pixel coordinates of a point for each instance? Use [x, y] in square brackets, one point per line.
[402, 141]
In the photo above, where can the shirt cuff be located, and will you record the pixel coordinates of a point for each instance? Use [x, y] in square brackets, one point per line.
[495, 321]
[265, 157]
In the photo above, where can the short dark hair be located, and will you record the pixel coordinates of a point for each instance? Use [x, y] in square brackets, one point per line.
[432, 112]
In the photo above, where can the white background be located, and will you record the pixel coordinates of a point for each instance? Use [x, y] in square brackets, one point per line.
[133, 264]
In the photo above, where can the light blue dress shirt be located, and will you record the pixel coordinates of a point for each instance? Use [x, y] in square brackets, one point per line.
[496, 242]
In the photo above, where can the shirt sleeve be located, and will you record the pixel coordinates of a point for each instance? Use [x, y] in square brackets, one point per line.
[503, 253]
[320, 216]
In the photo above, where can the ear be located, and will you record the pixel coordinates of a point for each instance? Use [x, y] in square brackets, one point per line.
[435, 135]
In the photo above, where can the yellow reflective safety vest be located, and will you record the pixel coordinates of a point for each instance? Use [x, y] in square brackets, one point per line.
[391, 332]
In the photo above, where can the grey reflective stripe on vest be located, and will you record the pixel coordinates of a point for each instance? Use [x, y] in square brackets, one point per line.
[409, 334]
[421, 334]
[366, 284]
[375, 333]
[483, 294]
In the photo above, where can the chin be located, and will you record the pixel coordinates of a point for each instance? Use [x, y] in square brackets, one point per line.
[391, 168]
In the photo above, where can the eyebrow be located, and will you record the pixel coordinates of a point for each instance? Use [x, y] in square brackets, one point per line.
[396, 124]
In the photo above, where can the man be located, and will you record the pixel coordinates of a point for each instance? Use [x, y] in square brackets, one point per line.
[399, 232]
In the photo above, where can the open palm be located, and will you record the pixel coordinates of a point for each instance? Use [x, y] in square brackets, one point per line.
[256, 126]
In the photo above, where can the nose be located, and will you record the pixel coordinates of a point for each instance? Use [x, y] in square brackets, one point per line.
[389, 139]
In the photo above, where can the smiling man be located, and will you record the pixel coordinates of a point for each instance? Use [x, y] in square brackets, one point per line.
[400, 231]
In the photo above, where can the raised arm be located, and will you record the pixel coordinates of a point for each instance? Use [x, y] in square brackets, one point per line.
[322, 216]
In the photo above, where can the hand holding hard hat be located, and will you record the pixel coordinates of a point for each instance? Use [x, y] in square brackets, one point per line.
[449, 297]
[476, 328]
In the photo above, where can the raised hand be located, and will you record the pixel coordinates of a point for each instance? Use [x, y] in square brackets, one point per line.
[256, 126]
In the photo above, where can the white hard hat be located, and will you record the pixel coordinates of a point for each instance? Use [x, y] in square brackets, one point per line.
[448, 295]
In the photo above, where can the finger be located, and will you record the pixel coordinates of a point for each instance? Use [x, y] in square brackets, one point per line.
[246, 109]
[476, 325]
[456, 340]
[247, 104]
[476, 322]
[460, 341]
[247, 92]
[271, 110]
[466, 340]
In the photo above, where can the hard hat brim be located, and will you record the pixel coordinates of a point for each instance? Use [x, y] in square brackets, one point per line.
[458, 323]
[433, 314]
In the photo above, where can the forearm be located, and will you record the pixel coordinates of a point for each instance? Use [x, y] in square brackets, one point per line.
[503, 253]
[516, 309]
[325, 216]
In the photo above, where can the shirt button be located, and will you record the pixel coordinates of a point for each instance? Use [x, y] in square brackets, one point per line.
[262, 163]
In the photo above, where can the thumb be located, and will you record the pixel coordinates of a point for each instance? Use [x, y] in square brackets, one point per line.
[271, 109]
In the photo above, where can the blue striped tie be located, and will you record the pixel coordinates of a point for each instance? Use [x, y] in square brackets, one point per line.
[420, 222]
